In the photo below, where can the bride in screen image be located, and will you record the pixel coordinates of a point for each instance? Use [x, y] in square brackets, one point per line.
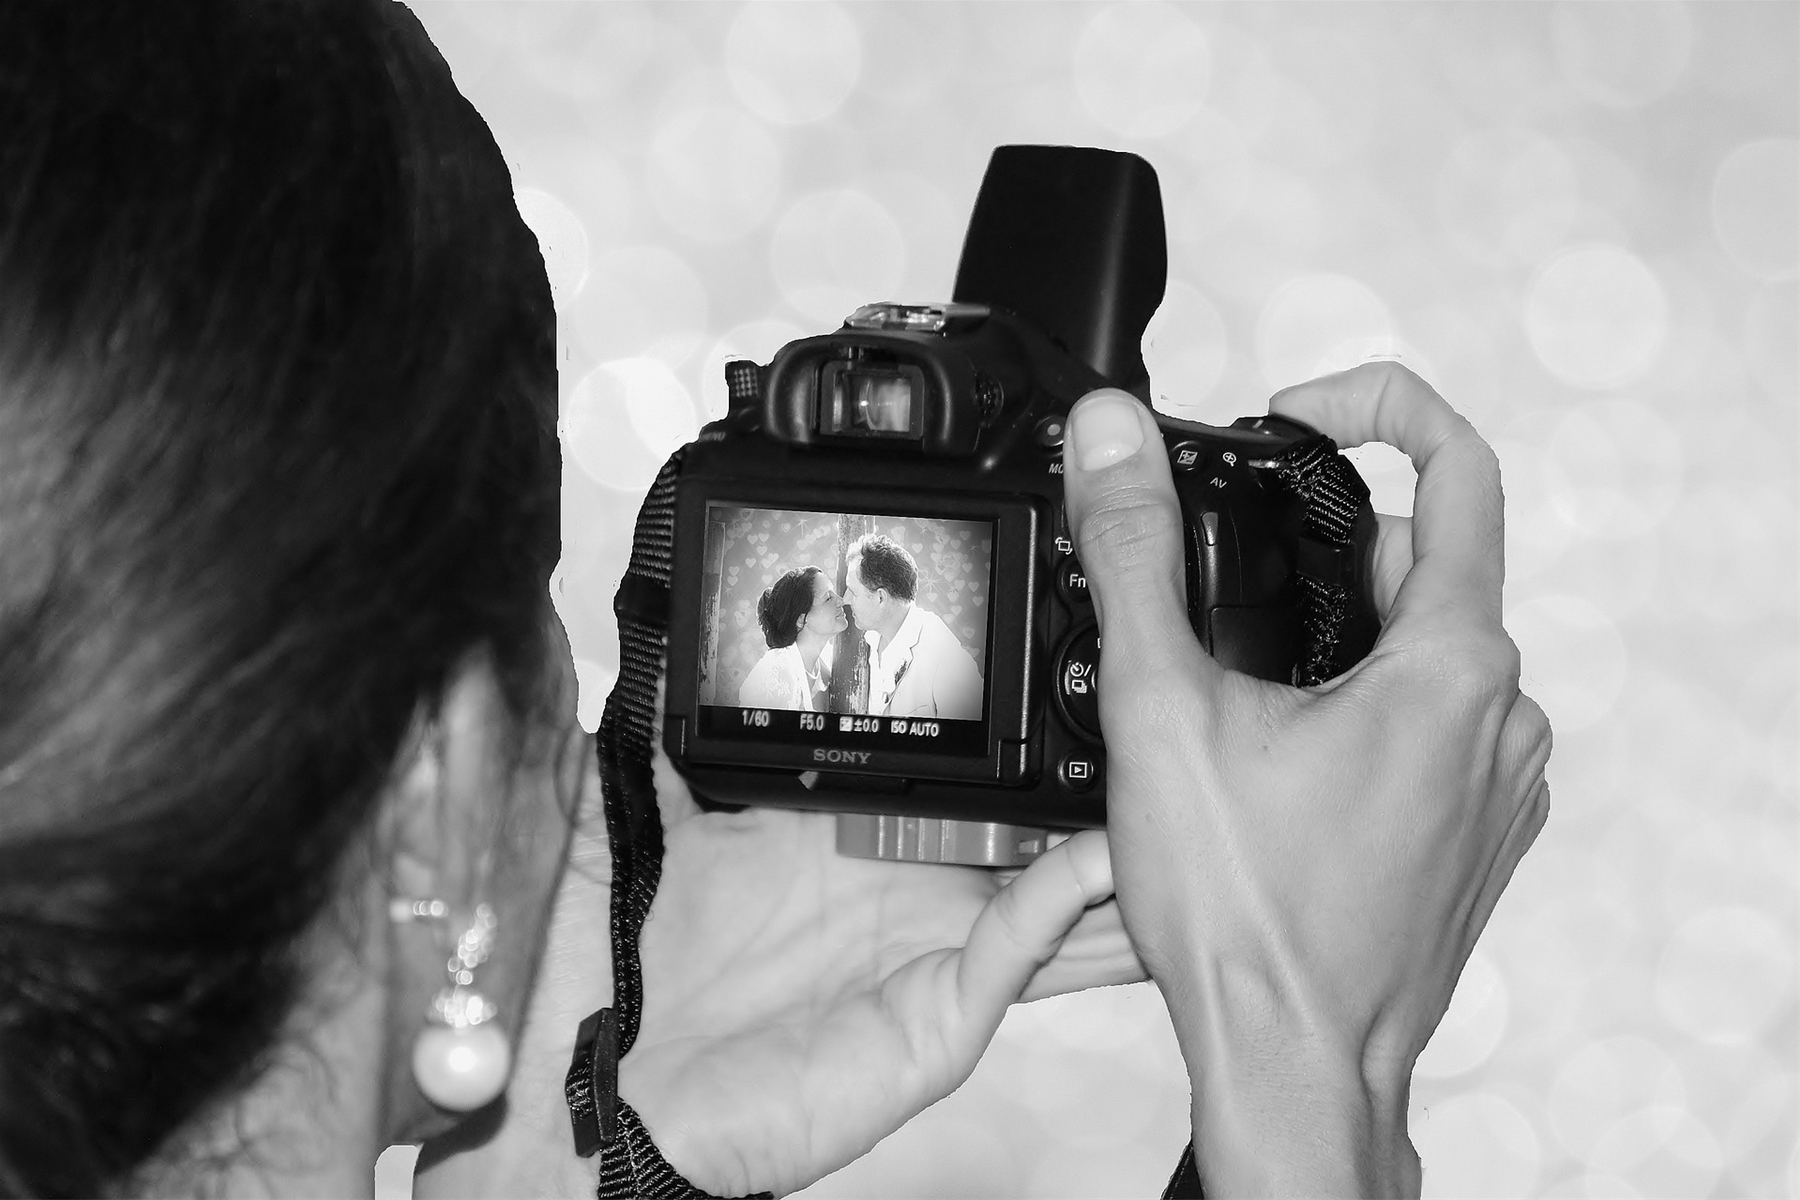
[801, 615]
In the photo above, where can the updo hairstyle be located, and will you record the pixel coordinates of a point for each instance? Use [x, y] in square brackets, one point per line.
[783, 603]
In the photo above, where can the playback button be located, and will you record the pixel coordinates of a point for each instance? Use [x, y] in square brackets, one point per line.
[1079, 772]
[1077, 674]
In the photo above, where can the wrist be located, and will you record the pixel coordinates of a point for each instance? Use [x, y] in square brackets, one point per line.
[1284, 1105]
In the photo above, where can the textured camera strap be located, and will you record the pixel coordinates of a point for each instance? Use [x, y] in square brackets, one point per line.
[1333, 495]
[630, 1165]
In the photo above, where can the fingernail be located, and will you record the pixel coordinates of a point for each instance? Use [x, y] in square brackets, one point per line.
[1105, 428]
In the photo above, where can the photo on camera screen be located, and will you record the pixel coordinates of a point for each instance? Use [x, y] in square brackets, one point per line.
[859, 614]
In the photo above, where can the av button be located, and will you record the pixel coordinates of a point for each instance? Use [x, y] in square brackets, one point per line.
[1079, 772]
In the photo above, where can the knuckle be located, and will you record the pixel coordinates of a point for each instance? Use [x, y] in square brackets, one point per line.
[1470, 671]
[1130, 529]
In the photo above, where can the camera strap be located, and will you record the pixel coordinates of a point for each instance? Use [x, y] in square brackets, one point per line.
[630, 1165]
[1333, 495]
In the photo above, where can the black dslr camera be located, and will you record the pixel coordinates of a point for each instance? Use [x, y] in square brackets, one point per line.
[875, 607]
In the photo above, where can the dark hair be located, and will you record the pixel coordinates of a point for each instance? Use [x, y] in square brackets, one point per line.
[277, 450]
[885, 564]
[783, 603]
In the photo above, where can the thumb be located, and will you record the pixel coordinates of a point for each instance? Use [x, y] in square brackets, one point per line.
[1127, 527]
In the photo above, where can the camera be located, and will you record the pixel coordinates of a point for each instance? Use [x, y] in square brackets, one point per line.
[875, 606]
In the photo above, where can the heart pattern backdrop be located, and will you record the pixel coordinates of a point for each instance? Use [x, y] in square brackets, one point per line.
[759, 545]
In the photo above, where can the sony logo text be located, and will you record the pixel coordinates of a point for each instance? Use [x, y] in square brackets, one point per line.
[842, 756]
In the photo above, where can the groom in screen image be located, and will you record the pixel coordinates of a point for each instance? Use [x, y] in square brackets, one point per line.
[917, 667]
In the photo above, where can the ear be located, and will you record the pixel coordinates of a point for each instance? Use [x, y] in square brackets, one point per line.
[440, 819]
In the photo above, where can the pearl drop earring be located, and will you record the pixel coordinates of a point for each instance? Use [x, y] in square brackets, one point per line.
[461, 1059]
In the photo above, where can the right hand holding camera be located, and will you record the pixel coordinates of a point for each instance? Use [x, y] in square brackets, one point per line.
[1304, 872]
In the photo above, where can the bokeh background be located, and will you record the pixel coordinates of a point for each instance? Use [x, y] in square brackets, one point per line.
[1577, 220]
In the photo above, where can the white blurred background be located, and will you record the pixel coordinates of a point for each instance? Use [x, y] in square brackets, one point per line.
[1578, 221]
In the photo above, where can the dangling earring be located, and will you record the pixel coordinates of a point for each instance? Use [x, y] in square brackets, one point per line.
[461, 1059]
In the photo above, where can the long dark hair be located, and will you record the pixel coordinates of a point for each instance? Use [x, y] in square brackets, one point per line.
[277, 449]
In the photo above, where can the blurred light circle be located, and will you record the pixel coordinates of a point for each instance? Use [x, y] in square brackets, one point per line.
[1476, 1145]
[593, 684]
[585, 178]
[1596, 316]
[1473, 1024]
[713, 173]
[641, 300]
[912, 53]
[1755, 202]
[1574, 658]
[585, 51]
[1142, 69]
[1725, 533]
[1622, 55]
[1507, 195]
[1725, 974]
[1221, 177]
[1614, 468]
[1770, 350]
[660, 409]
[1536, 533]
[1317, 321]
[1663, 1151]
[1185, 350]
[1275, 237]
[755, 340]
[1604, 1080]
[793, 63]
[624, 420]
[835, 251]
[561, 239]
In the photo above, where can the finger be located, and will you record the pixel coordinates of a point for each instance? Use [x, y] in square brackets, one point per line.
[1128, 532]
[1393, 559]
[1458, 534]
[1096, 953]
[1024, 925]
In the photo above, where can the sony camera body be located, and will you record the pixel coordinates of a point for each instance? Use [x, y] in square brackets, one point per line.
[951, 707]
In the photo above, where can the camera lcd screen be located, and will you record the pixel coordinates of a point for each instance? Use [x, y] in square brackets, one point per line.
[844, 629]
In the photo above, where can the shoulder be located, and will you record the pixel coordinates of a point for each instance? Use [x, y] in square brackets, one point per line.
[774, 664]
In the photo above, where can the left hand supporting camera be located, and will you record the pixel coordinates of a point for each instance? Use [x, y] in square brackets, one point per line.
[799, 1005]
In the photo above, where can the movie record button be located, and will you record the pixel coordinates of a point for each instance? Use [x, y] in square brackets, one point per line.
[1077, 677]
[1079, 771]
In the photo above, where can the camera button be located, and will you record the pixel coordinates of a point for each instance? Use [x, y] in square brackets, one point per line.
[1077, 677]
[1050, 433]
[1079, 772]
[1209, 528]
[1187, 456]
[1072, 582]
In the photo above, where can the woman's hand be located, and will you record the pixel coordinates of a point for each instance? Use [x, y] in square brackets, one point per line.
[1306, 871]
[799, 1006]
